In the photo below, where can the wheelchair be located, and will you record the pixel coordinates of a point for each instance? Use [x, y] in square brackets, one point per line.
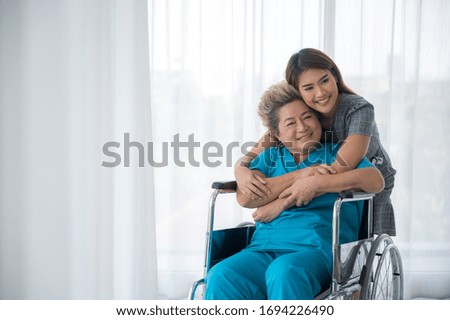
[367, 269]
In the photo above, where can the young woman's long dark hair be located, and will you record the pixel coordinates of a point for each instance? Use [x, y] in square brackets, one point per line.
[309, 58]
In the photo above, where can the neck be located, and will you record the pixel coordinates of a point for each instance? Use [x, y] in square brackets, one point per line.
[299, 157]
[327, 118]
[330, 115]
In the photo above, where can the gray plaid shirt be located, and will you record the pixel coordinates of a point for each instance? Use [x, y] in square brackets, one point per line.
[355, 115]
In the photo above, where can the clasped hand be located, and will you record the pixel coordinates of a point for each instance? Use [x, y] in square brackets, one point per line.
[252, 185]
[302, 191]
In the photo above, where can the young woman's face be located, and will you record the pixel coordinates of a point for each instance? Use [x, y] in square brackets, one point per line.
[298, 127]
[319, 89]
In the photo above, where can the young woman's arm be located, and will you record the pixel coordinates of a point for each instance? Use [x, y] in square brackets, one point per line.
[302, 191]
[360, 127]
[253, 186]
[351, 153]
[278, 184]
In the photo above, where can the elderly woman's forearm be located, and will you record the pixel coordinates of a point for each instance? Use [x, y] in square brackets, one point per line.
[276, 185]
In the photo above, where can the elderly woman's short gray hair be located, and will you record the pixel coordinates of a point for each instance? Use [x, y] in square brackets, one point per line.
[275, 97]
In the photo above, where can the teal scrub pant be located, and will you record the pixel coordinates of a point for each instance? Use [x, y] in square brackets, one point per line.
[261, 275]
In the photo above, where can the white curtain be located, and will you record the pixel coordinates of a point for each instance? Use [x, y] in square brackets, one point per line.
[74, 76]
[210, 62]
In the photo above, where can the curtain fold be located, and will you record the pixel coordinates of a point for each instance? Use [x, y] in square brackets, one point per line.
[75, 75]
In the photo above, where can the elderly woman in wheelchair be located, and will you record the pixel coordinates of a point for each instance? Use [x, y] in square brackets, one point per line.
[290, 254]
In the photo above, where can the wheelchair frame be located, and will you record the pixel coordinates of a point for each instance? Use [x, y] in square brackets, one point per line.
[367, 269]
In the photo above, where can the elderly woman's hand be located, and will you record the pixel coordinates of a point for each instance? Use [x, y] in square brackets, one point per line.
[267, 213]
[251, 185]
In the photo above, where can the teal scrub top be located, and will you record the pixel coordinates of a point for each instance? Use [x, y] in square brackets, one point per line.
[309, 225]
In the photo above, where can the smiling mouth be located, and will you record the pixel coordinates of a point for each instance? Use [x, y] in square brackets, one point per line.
[306, 136]
[323, 101]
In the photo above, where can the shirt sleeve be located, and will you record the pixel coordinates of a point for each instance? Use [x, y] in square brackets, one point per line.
[361, 120]
[263, 162]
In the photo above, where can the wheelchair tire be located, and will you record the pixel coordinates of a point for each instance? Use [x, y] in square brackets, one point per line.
[382, 278]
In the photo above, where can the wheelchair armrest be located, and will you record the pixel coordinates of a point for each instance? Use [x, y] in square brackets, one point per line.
[356, 195]
[224, 185]
[366, 227]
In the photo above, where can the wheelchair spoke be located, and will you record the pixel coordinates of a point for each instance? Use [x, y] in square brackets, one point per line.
[384, 288]
[387, 279]
[384, 279]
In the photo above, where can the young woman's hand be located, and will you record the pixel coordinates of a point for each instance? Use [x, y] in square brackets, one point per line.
[318, 170]
[300, 193]
[251, 185]
[303, 190]
[323, 169]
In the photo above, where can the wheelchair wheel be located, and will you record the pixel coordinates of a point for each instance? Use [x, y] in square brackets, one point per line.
[382, 278]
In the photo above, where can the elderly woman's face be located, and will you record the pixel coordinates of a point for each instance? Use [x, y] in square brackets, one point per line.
[298, 127]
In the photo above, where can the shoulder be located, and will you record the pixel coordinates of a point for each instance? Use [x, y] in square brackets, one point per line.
[324, 154]
[356, 111]
[273, 153]
[352, 102]
[266, 158]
